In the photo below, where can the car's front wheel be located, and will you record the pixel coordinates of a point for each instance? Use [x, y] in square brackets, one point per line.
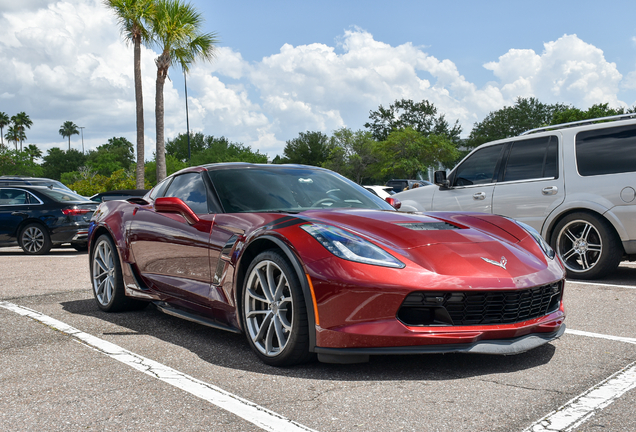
[106, 278]
[274, 312]
[588, 246]
[35, 239]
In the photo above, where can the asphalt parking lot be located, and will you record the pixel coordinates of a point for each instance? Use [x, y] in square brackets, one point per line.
[65, 365]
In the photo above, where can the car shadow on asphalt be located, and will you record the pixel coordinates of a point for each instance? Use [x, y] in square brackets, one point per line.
[231, 350]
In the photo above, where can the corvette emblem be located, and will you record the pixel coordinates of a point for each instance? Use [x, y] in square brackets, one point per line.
[501, 263]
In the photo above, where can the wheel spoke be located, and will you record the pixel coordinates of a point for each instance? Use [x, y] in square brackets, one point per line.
[570, 236]
[264, 328]
[262, 278]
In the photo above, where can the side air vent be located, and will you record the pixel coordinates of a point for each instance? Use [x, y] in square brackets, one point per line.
[428, 226]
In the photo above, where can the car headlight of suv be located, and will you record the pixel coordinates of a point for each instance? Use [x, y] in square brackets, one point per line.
[350, 247]
[547, 249]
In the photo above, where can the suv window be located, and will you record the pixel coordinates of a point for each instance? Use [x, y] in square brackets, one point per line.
[191, 189]
[606, 151]
[479, 168]
[532, 159]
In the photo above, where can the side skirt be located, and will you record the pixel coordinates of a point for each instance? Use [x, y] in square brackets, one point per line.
[166, 308]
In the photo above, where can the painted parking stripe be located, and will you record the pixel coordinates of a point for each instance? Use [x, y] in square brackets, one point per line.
[601, 336]
[586, 405]
[602, 284]
[253, 413]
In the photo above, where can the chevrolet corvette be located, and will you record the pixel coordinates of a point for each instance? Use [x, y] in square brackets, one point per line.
[309, 264]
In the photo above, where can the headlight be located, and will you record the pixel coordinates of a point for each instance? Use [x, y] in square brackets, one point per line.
[537, 237]
[350, 247]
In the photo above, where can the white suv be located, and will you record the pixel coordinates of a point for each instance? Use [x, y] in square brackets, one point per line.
[574, 183]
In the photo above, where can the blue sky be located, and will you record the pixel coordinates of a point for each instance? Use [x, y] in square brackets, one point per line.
[284, 67]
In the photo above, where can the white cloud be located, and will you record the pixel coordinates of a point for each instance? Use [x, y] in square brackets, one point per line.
[65, 60]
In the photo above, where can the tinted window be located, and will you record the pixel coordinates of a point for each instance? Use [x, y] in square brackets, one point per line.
[532, 159]
[159, 189]
[191, 189]
[61, 195]
[289, 189]
[479, 168]
[606, 151]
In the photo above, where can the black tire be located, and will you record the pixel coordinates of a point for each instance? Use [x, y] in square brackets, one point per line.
[275, 323]
[35, 239]
[588, 245]
[80, 247]
[107, 280]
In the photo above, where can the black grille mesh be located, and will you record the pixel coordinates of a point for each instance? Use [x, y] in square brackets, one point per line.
[479, 307]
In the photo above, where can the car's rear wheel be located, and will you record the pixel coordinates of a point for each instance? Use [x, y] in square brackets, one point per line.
[588, 246]
[274, 312]
[35, 239]
[107, 280]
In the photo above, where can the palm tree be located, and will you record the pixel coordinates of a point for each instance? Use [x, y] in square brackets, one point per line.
[132, 16]
[69, 128]
[176, 28]
[15, 134]
[33, 151]
[22, 120]
[4, 122]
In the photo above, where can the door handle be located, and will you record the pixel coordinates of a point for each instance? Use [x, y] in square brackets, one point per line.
[21, 214]
[550, 190]
[479, 196]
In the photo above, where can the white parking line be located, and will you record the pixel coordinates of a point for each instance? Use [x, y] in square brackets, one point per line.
[600, 283]
[584, 406]
[581, 408]
[261, 417]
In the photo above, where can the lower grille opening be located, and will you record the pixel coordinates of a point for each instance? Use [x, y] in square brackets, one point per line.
[424, 308]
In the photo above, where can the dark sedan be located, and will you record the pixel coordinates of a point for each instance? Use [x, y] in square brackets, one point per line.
[38, 217]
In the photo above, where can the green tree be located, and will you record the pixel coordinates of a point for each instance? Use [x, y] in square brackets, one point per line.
[133, 17]
[69, 128]
[221, 150]
[420, 116]
[351, 154]
[406, 152]
[176, 27]
[4, 122]
[21, 120]
[178, 147]
[117, 154]
[15, 134]
[33, 151]
[525, 114]
[14, 162]
[57, 161]
[172, 166]
[595, 111]
[310, 148]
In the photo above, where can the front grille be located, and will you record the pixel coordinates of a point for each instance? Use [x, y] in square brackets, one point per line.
[463, 308]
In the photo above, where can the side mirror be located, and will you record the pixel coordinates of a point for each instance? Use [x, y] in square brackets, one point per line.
[394, 202]
[176, 205]
[440, 179]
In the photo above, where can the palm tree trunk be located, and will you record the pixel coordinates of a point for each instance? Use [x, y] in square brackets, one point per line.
[162, 73]
[139, 101]
[69, 143]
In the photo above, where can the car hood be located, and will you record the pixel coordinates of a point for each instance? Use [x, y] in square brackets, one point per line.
[446, 243]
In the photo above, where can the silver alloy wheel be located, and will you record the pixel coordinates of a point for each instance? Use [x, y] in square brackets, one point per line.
[103, 272]
[579, 244]
[33, 239]
[268, 308]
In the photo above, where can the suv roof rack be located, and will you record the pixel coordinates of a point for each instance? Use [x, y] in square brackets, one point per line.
[581, 123]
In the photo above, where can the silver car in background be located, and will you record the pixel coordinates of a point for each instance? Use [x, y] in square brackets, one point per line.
[574, 183]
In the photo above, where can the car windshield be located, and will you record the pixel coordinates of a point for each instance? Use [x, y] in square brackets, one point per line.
[289, 189]
[62, 195]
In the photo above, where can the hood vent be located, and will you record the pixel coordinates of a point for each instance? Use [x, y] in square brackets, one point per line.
[428, 226]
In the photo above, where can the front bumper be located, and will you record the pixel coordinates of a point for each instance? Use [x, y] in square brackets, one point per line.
[495, 346]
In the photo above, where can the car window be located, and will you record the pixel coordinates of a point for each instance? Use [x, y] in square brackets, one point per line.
[17, 197]
[606, 151]
[62, 195]
[479, 168]
[191, 189]
[532, 159]
[158, 190]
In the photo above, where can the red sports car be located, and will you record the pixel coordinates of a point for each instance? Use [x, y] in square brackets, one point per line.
[306, 262]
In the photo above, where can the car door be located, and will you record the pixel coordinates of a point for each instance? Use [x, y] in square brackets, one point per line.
[530, 184]
[171, 253]
[471, 183]
[15, 206]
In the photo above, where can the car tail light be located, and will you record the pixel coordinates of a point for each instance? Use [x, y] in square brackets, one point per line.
[75, 212]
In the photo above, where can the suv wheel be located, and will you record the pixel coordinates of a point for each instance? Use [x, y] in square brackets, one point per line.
[588, 246]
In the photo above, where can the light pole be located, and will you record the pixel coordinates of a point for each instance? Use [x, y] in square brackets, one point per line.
[81, 128]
